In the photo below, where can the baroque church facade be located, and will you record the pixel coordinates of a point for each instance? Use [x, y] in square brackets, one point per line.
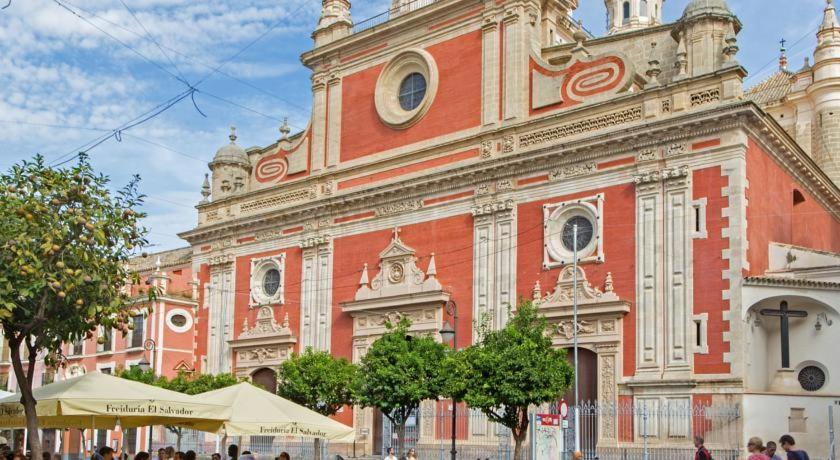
[454, 146]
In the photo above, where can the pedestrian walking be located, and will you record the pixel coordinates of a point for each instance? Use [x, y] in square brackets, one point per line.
[755, 446]
[789, 446]
[390, 455]
[770, 451]
[412, 455]
[162, 454]
[702, 453]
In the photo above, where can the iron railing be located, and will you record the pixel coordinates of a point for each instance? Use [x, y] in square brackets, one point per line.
[387, 15]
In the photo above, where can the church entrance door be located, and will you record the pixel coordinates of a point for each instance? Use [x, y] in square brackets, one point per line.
[265, 378]
[587, 376]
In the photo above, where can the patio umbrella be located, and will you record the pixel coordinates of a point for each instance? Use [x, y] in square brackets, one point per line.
[254, 411]
[97, 400]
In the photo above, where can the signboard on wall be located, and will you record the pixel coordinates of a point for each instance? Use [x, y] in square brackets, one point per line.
[548, 439]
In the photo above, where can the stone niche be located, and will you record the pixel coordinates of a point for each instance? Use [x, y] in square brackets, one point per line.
[265, 345]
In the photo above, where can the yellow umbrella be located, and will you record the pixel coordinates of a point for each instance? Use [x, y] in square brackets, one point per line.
[97, 400]
[254, 411]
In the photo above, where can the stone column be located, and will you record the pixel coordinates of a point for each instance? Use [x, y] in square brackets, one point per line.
[494, 261]
[319, 109]
[490, 70]
[333, 121]
[608, 393]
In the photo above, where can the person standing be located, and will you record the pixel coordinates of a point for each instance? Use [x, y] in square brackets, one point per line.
[390, 455]
[412, 455]
[162, 454]
[702, 453]
[755, 446]
[233, 452]
[770, 451]
[106, 453]
[788, 444]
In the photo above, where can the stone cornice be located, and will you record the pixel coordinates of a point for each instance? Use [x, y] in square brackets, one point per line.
[717, 119]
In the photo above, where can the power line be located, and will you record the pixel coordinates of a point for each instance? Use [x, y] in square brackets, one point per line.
[149, 35]
[194, 60]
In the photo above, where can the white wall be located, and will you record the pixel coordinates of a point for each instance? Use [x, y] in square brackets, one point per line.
[766, 416]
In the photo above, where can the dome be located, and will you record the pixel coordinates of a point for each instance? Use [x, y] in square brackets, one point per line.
[232, 153]
[700, 7]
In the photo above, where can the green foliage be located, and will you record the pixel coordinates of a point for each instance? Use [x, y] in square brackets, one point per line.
[65, 240]
[65, 243]
[184, 382]
[317, 380]
[399, 371]
[511, 369]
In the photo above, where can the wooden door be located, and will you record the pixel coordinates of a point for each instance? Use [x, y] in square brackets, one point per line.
[266, 378]
[587, 376]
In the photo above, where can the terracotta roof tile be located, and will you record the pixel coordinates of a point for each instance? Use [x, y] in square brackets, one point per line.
[771, 90]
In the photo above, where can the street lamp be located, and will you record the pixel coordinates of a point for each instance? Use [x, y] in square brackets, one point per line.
[450, 334]
[151, 346]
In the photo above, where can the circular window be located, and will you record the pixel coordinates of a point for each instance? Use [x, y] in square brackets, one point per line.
[560, 232]
[179, 320]
[412, 91]
[812, 378]
[271, 281]
[406, 88]
[585, 230]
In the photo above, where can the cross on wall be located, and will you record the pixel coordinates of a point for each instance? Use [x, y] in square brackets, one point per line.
[784, 314]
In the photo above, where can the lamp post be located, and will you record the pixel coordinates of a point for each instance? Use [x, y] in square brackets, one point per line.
[151, 346]
[575, 329]
[450, 334]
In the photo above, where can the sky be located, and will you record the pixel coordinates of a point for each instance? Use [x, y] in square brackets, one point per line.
[71, 71]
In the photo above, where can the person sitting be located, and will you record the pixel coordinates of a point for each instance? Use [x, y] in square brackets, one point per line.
[142, 456]
[788, 444]
[283, 456]
[162, 454]
[216, 456]
[189, 455]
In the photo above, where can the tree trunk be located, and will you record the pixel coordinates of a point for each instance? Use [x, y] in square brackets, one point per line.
[317, 449]
[24, 379]
[400, 440]
[178, 433]
[519, 434]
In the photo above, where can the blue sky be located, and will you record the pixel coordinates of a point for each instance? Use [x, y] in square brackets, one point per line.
[64, 82]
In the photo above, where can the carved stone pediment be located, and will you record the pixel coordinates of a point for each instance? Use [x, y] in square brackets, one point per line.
[399, 290]
[399, 281]
[266, 344]
[597, 310]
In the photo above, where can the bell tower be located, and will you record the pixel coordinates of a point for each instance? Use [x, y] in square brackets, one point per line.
[626, 15]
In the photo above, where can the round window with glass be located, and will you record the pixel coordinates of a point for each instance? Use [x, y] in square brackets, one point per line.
[569, 229]
[412, 91]
[271, 282]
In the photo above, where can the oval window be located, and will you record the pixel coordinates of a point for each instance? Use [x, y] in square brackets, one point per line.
[584, 233]
[412, 91]
[178, 320]
[271, 282]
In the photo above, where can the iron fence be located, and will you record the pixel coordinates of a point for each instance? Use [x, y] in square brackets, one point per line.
[262, 447]
[641, 430]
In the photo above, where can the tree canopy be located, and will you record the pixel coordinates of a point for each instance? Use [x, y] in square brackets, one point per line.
[65, 243]
[510, 369]
[317, 380]
[398, 372]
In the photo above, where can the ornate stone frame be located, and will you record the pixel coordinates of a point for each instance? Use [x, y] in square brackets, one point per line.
[555, 216]
[259, 267]
[267, 344]
[599, 326]
[386, 96]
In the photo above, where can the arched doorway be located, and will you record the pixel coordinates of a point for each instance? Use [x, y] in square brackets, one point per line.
[587, 376]
[265, 378]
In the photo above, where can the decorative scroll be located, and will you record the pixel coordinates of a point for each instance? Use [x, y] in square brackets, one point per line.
[272, 168]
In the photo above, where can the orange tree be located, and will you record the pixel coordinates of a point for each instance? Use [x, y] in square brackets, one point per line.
[65, 242]
[510, 370]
